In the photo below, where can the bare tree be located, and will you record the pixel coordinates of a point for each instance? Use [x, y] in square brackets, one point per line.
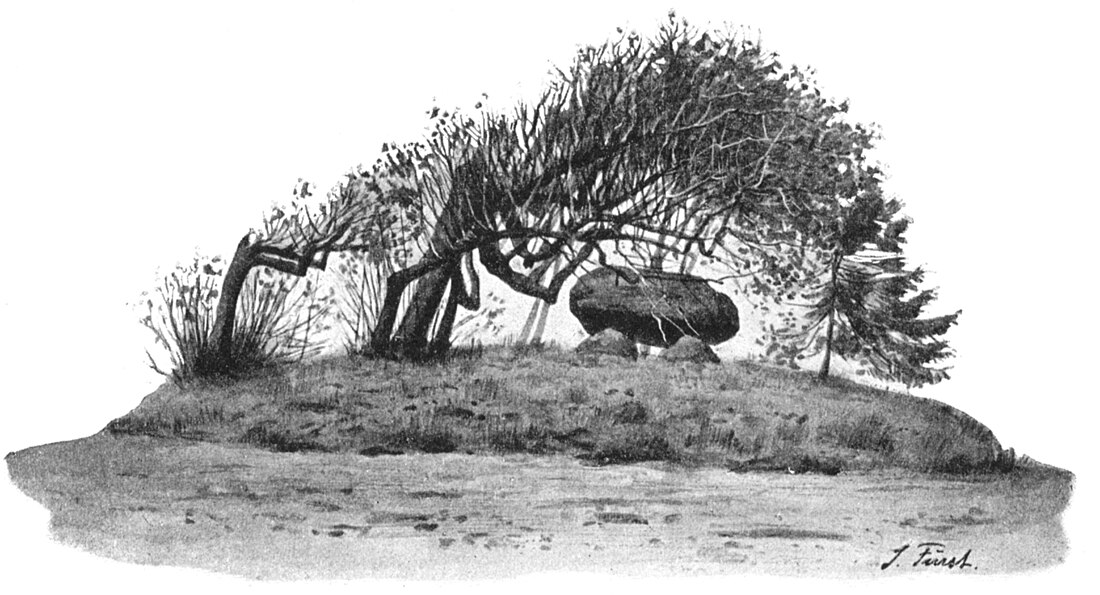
[294, 242]
[687, 144]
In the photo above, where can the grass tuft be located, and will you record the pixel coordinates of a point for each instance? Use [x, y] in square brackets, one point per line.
[869, 432]
[280, 440]
[646, 444]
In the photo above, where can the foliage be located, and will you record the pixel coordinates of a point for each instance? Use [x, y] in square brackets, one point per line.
[279, 319]
[362, 274]
[687, 145]
[878, 305]
[866, 306]
[684, 144]
[295, 240]
[486, 322]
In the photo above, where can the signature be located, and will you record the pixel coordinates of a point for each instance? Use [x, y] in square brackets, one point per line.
[929, 554]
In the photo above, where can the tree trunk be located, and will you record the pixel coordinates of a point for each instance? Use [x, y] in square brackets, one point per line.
[441, 342]
[823, 373]
[411, 340]
[244, 259]
[525, 335]
[380, 342]
[540, 328]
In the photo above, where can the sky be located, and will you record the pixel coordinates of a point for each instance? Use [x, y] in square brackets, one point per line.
[133, 134]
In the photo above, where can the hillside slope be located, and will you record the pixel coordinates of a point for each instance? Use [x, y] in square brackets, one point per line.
[543, 400]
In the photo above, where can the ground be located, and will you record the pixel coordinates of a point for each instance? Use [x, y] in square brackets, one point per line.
[508, 464]
[243, 511]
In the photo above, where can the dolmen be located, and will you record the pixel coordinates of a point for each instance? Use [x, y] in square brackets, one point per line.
[655, 308]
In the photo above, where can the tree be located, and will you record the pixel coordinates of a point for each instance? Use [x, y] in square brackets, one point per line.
[868, 305]
[692, 143]
[292, 243]
[279, 319]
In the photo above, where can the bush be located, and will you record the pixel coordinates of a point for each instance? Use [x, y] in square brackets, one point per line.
[279, 319]
[181, 316]
[361, 293]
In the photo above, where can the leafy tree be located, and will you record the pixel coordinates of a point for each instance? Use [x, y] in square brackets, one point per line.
[691, 143]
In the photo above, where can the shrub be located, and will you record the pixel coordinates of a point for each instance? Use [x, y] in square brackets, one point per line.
[181, 316]
[361, 290]
[279, 319]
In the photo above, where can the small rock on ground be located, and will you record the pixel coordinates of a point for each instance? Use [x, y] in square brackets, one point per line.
[608, 342]
[690, 349]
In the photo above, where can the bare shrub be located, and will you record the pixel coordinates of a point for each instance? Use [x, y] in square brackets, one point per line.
[280, 319]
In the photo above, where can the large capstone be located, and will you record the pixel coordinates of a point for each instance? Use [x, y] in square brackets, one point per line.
[653, 307]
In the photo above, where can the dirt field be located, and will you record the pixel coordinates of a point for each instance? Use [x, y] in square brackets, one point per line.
[245, 511]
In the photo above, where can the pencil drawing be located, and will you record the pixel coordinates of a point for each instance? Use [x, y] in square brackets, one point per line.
[349, 393]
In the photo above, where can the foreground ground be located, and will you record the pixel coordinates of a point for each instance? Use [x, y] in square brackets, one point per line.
[245, 511]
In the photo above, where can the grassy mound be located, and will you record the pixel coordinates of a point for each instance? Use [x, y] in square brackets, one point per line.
[740, 415]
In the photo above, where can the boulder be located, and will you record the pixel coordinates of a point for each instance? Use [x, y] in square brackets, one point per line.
[654, 307]
[608, 342]
[690, 349]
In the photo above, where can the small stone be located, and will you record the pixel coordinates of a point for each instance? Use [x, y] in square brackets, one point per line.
[690, 349]
[608, 342]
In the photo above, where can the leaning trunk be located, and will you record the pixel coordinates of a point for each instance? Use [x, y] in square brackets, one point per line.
[441, 342]
[535, 326]
[411, 340]
[226, 313]
[469, 204]
[380, 342]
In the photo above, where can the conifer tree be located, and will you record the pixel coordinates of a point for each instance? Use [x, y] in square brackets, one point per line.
[868, 306]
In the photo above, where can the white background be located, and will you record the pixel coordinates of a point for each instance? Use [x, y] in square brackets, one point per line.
[132, 134]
